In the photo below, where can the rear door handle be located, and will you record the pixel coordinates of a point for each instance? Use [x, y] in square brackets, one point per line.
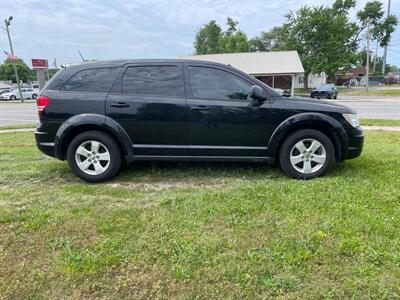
[119, 104]
[200, 107]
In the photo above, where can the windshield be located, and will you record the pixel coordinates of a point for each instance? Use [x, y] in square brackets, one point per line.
[325, 87]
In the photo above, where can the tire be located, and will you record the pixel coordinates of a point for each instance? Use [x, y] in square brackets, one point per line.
[335, 97]
[93, 167]
[314, 162]
[34, 96]
[13, 97]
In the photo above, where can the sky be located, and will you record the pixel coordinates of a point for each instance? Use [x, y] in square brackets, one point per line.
[115, 29]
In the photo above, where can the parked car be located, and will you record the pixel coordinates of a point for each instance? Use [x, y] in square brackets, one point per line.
[27, 93]
[6, 90]
[325, 90]
[100, 115]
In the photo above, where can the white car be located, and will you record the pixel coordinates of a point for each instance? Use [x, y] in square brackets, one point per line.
[27, 93]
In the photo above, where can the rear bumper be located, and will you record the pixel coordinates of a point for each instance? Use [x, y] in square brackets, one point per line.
[43, 143]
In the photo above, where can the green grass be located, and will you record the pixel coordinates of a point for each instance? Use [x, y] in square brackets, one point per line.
[18, 126]
[199, 230]
[357, 91]
[372, 92]
[380, 122]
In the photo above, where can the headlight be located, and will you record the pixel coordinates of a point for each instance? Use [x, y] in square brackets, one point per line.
[352, 119]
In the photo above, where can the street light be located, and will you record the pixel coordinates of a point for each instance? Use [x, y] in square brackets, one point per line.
[8, 22]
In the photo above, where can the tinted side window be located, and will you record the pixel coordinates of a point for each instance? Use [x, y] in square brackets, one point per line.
[153, 80]
[217, 84]
[92, 80]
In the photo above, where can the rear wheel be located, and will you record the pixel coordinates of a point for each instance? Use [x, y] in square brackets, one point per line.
[94, 156]
[306, 154]
[13, 97]
[34, 96]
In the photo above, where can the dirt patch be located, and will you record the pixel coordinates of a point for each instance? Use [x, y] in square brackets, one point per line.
[129, 281]
[165, 185]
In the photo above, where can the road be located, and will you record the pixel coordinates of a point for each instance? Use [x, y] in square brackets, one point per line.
[18, 113]
[373, 107]
[367, 107]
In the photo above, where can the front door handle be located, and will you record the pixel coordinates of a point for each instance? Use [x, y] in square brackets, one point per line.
[119, 104]
[200, 107]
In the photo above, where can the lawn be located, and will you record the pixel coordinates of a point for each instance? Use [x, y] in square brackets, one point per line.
[18, 126]
[380, 122]
[373, 91]
[357, 91]
[199, 230]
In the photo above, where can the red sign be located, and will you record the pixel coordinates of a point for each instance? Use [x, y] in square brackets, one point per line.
[38, 63]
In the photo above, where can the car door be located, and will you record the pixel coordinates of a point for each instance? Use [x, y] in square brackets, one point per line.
[149, 102]
[223, 119]
[27, 93]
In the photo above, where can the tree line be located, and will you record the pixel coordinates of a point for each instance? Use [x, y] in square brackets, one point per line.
[25, 73]
[325, 37]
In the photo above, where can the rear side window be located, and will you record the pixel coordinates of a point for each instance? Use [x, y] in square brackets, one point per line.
[209, 83]
[92, 80]
[153, 80]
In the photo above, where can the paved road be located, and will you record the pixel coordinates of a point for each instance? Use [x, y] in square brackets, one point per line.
[18, 113]
[367, 107]
[373, 107]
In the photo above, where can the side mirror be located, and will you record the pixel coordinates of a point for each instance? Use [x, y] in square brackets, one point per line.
[257, 93]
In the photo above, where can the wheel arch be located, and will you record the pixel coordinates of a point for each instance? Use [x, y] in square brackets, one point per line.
[317, 121]
[86, 122]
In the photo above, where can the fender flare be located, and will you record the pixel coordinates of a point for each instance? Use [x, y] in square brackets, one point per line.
[105, 122]
[312, 120]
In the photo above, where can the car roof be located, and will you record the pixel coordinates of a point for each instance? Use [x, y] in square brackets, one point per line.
[120, 63]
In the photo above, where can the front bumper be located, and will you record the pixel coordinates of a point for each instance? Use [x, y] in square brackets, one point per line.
[356, 143]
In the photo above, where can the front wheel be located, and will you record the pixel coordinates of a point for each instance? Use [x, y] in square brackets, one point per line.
[306, 154]
[94, 156]
[34, 96]
[13, 98]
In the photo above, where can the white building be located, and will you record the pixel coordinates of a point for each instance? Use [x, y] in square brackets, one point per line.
[278, 69]
[313, 80]
[5, 84]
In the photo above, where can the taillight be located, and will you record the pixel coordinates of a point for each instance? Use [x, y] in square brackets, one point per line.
[42, 102]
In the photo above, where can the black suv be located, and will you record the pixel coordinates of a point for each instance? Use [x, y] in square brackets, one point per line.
[100, 115]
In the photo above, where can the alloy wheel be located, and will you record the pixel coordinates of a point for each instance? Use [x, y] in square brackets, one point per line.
[92, 157]
[307, 156]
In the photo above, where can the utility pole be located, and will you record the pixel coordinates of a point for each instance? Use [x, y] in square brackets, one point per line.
[385, 49]
[7, 22]
[376, 54]
[367, 64]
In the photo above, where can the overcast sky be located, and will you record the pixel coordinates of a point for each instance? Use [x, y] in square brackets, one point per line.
[113, 29]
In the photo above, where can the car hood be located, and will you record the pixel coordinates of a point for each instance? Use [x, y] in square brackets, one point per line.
[318, 105]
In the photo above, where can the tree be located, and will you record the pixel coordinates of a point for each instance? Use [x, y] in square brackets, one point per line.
[7, 72]
[233, 39]
[268, 41]
[211, 39]
[323, 37]
[381, 28]
[207, 40]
